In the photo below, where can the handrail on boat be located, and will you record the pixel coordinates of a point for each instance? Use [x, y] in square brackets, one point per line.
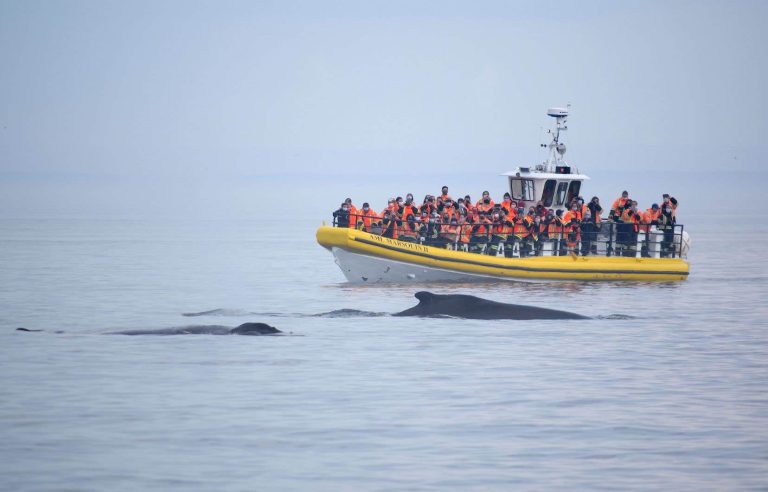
[610, 239]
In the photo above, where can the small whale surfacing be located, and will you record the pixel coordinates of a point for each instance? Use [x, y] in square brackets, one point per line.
[247, 329]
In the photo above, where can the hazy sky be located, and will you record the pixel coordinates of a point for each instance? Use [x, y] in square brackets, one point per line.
[215, 109]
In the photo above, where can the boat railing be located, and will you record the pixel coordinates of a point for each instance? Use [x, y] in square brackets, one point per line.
[607, 238]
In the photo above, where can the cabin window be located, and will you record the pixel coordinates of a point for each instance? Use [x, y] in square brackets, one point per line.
[522, 189]
[562, 187]
[549, 192]
[573, 190]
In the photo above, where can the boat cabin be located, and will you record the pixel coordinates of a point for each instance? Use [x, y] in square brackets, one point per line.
[554, 182]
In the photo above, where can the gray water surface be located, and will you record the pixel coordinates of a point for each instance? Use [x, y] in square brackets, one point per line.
[673, 398]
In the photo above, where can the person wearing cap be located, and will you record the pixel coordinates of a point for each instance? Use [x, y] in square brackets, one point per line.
[341, 216]
[671, 201]
[508, 206]
[619, 205]
[650, 217]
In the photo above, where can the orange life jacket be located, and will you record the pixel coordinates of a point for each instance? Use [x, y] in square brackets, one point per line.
[619, 203]
[521, 228]
[555, 229]
[630, 217]
[484, 207]
[354, 216]
[449, 232]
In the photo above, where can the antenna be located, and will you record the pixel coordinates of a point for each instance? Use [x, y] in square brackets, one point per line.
[557, 148]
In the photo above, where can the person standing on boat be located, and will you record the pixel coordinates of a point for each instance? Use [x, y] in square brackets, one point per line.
[588, 234]
[390, 222]
[500, 230]
[619, 205]
[650, 217]
[667, 225]
[468, 204]
[671, 201]
[595, 210]
[341, 216]
[572, 228]
[353, 216]
[631, 226]
[479, 235]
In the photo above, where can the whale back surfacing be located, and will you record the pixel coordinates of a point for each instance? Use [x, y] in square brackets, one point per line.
[471, 307]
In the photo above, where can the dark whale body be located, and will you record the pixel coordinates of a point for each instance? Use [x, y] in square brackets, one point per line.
[471, 307]
[250, 329]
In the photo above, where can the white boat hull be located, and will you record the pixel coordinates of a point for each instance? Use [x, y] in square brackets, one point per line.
[368, 269]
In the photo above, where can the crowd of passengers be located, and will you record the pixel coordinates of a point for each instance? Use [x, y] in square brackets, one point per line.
[484, 226]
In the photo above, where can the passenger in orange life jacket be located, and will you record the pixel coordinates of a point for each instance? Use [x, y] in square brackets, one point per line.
[478, 232]
[556, 232]
[509, 207]
[410, 230]
[390, 223]
[468, 204]
[353, 215]
[572, 227]
[619, 205]
[461, 208]
[651, 217]
[428, 205]
[501, 228]
[485, 203]
[671, 201]
[367, 217]
[408, 208]
[448, 209]
[444, 197]
[449, 231]
[582, 206]
[627, 235]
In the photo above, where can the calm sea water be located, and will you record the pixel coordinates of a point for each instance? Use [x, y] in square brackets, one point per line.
[675, 398]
